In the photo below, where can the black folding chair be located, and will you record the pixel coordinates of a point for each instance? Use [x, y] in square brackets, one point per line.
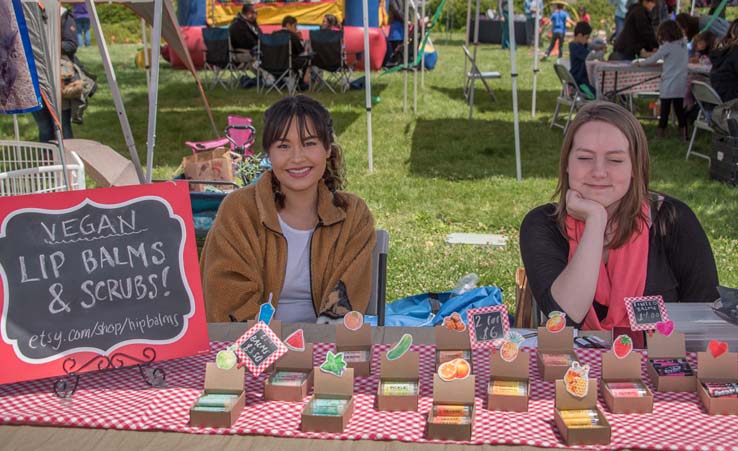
[218, 61]
[329, 60]
[275, 64]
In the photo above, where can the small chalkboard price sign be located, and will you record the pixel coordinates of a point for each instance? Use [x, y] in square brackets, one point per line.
[645, 312]
[487, 325]
[98, 272]
[259, 347]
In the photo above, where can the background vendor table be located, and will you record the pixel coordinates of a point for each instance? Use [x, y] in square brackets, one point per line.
[696, 320]
[625, 78]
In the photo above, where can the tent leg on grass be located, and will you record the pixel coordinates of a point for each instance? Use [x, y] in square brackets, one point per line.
[536, 42]
[514, 78]
[153, 93]
[367, 86]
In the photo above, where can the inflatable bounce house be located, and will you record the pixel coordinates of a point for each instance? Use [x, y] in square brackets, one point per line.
[193, 15]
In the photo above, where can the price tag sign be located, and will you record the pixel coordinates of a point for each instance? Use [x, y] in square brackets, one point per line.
[259, 347]
[645, 312]
[487, 325]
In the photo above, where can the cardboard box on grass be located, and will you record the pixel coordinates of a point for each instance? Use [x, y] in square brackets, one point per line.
[298, 361]
[456, 392]
[329, 386]
[671, 347]
[276, 326]
[627, 369]
[561, 342]
[595, 435]
[722, 369]
[218, 381]
[403, 369]
[452, 340]
[517, 370]
[356, 340]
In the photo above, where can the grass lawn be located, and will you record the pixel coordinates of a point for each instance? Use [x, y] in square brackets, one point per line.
[434, 172]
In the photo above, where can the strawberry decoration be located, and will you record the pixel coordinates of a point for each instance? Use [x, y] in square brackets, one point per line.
[622, 346]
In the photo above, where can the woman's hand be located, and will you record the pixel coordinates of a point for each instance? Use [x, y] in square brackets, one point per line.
[584, 209]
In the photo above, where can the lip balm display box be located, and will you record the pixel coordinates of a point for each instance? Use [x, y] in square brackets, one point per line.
[452, 342]
[218, 381]
[459, 392]
[516, 371]
[330, 387]
[598, 434]
[723, 369]
[359, 341]
[293, 361]
[558, 343]
[403, 370]
[627, 369]
[671, 347]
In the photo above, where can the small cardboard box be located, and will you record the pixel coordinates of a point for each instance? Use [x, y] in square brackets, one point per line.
[332, 387]
[452, 340]
[406, 368]
[225, 382]
[554, 343]
[276, 326]
[292, 361]
[723, 369]
[594, 435]
[517, 370]
[456, 392]
[671, 347]
[624, 370]
[356, 340]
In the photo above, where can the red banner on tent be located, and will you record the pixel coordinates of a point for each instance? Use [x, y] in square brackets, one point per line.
[107, 272]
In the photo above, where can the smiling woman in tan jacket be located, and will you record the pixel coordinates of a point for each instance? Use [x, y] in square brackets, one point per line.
[293, 234]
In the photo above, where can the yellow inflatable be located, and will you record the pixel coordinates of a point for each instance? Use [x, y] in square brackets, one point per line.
[308, 13]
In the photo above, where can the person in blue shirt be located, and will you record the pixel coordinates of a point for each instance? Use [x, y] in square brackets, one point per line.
[559, 21]
[578, 52]
[530, 7]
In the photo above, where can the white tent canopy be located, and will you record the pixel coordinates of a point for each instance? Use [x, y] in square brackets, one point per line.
[46, 42]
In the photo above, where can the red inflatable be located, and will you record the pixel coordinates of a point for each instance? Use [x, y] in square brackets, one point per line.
[353, 37]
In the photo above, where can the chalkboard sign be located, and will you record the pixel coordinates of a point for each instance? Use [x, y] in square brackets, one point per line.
[259, 347]
[95, 271]
[487, 325]
[645, 312]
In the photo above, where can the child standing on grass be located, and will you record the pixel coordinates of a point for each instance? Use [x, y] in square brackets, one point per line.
[673, 51]
[559, 21]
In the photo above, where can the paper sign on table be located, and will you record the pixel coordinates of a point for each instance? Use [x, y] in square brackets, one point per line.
[645, 312]
[488, 326]
[258, 348]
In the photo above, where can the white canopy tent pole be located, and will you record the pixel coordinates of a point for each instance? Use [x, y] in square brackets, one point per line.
[514, 78]
[678, 6]
[154, 91]
[368, 86]
[422, 37]
[404, 54]
[114, 91]
[16, 129]
[474, 61]
[415, 58]
[466, 37]
[691, 11]
[536, 42]
[147, 63]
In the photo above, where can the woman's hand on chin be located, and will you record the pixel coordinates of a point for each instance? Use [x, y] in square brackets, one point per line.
[584, 209]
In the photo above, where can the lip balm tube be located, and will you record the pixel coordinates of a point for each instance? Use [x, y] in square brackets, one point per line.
[580, 418]
[450, 420]
[512, 388]
[627, 389]
[209, 409]
[451, 411]
[289, 378]
[556, 359]
[718, 390]
[328, 407]
[398, 388]
[221, 401]
[355, 356]
[443, 356]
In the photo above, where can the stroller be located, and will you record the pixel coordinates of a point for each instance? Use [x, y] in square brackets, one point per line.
[239, 136]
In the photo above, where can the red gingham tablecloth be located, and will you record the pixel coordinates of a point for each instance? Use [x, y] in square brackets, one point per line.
[119, 399]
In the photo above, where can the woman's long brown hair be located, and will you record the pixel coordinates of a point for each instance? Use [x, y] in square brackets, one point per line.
[628, 215]
[312, 118]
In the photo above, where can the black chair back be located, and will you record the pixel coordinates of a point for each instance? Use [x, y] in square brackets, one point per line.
[217, 52]
[275, 52]
[327, 51]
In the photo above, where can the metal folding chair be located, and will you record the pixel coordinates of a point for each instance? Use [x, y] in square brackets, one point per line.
[329, 60]
[570, 96]
[218, 61]
[707, 99]
[475, 74]
[275, 64]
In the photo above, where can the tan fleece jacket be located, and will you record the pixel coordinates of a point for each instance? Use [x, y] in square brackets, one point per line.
[245, 255]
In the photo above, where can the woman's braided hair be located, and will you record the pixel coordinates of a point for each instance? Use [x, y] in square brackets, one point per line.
[312, 119]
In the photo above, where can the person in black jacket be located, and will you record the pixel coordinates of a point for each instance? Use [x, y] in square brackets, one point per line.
[724, 79]
[638, 38]
[299, 61]
[244, 33]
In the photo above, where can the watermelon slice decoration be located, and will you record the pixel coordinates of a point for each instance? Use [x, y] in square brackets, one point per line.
[296, 341]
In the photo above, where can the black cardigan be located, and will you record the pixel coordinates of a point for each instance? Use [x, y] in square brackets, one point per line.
[637, 34]
[681, 267]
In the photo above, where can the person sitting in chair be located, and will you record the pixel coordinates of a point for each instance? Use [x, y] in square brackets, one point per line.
[294, 234]
[244, 33]
[299, 61]
[330, 22]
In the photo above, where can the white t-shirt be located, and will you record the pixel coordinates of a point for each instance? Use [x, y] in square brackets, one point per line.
[296, 301]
